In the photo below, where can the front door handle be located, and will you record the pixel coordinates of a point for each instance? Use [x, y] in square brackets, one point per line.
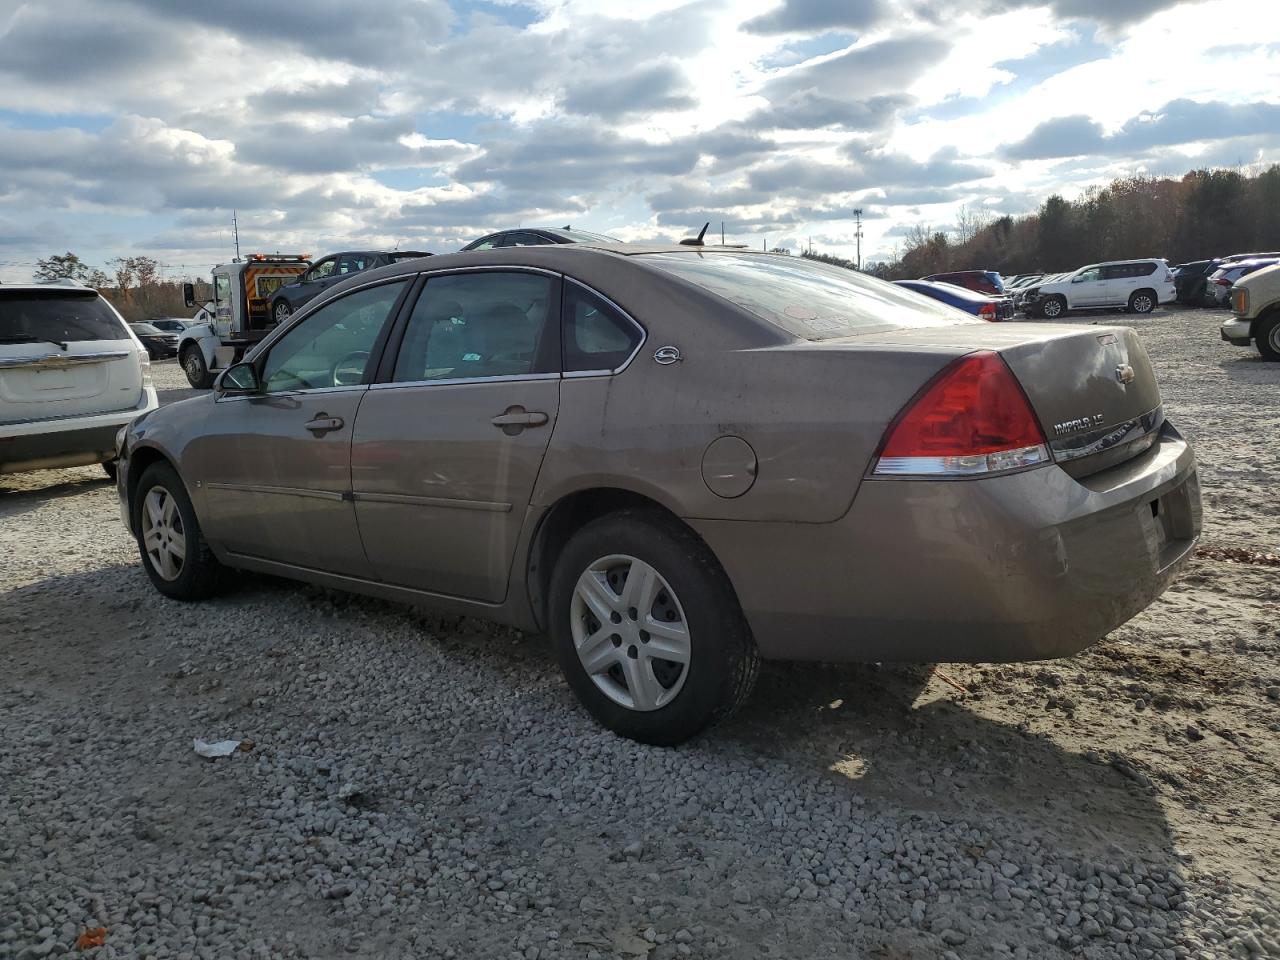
[515, 419]
[323, 423]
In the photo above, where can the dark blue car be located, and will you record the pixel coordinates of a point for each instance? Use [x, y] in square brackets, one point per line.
[979, 304]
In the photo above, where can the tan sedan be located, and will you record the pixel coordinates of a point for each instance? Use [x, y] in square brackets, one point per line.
[678, 461]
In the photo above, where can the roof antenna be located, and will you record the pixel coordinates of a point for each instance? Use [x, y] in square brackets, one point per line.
[696, 241]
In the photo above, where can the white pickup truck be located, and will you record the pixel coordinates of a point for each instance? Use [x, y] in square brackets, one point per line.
[1255, 312]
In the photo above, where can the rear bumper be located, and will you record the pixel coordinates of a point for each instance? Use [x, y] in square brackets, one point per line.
[66, 442]
[1023, 567]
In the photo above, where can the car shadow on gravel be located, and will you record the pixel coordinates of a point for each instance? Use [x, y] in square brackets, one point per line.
[22, 492]
[904, 739]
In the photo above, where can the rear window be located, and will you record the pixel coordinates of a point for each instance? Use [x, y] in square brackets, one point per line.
[30, 316]
[809, 300]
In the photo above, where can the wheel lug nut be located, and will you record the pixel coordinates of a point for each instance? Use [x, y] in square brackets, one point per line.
[616, 617]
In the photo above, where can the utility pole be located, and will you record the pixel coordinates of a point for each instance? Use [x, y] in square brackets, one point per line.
[235, 225]
[722, 233]
[857, 233]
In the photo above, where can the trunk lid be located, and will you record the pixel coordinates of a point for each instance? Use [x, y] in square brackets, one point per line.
[1092, 388]
[64, 353]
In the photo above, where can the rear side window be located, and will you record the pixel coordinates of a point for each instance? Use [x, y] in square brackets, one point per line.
[596, 335]
[483, 324]
[807, 299]
[61, 316]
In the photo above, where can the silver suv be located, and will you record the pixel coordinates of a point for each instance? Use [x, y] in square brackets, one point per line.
[72, 374]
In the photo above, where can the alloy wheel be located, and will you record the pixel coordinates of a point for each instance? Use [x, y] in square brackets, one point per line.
[1273, 338]
[163, 536]
[630, 632]
[1142, 304]
[1052, 308]
[283, 311]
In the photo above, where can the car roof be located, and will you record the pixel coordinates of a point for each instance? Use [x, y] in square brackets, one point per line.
[69, 286]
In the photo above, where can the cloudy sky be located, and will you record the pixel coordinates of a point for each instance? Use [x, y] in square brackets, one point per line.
[136, 126]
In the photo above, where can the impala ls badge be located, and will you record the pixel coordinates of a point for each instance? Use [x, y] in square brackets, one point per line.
[667, 355]
[1078, 424]
[1124, 373]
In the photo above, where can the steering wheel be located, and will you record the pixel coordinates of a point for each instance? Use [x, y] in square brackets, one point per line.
[349, 371]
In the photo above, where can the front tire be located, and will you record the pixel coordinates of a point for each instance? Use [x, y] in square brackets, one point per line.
[1142, 301]
[1267, 338]
[1053, 307]
[648, 630]
[194, 367]
[172, 547]
[281, 311]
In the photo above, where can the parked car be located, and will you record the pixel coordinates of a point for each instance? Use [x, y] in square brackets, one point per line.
[1218, 287]
[171, 324]
[1137, 285]
[1255, 312]
[159, 343]
[536, 237]
[1189, 280]
[981, 281]
[571, 421]
[327, 271]
[978, 304]
[1236, 257]
[71, 375]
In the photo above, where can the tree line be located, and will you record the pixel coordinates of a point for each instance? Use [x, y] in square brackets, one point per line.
[1204, 214]
[134, 286]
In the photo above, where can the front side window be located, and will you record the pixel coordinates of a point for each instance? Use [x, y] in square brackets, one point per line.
[331, 347]
[221, 287]
[488, 243]
[352, 264]
[58, 316]
[807, 299]
[322, 269]
[1088, 276]
[524, 240]
[483, 324]
[596, 336]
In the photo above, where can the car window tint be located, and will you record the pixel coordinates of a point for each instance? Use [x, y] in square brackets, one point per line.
[352, 264]
[596, 336]
[63, 316]
[331, 347]
[467, 325]
[808, 299]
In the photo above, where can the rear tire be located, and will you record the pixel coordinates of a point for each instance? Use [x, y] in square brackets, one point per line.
[1267, 338]
[172, 547]
[689, 594]
[1053, 307]
[1142, 301]
[194, 367]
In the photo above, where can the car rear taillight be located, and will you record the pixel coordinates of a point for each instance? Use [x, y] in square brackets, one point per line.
[987, 311]
[972, 419]
[1223, 282]
[1168, 276]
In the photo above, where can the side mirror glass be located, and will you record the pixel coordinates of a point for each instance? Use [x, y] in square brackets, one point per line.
[1077, 279]
[189, 294]
[239, 378]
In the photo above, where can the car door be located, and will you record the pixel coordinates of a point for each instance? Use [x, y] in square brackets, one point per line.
[1088, 288]
[276, 465]
[447, 450]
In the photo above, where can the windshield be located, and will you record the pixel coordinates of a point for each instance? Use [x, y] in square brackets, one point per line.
[56, 315]
[810, 300]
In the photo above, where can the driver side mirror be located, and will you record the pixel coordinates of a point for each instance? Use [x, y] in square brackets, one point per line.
[239, 378]
[1077, 279]
[189, 294]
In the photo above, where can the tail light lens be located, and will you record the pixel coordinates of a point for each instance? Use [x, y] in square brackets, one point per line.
[987, 311]
[972, 419]
[1222, 282]
[144, 361]
[1168, 276]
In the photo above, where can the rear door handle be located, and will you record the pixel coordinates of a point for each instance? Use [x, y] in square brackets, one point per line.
[515, 419]
[322, 424]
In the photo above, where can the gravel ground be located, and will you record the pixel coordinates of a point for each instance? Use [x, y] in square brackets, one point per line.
[427, 787]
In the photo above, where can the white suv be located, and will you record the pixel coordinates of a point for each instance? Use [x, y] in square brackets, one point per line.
[72, 374]
[1137, 285]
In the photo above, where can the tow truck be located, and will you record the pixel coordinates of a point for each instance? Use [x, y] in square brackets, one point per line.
[242, 292]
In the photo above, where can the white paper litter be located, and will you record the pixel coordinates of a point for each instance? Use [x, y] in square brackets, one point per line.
[223, 748]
